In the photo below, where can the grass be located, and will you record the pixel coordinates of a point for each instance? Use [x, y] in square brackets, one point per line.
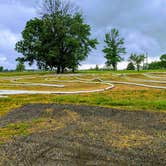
[43, 123]
[119, 71]
[26, 73]
[80, 71]
[67, 87]
[129, 135]
[122, 97]
[149, 99]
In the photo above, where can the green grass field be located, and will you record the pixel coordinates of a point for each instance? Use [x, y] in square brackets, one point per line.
[130, 99]
[122, 96]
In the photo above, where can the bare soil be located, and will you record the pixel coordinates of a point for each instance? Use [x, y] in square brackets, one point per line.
[99, 137]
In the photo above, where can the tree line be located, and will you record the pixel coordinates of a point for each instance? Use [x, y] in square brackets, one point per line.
[60, 39]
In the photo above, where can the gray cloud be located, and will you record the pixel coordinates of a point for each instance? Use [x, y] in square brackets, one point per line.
[13, 17]
[140, 22]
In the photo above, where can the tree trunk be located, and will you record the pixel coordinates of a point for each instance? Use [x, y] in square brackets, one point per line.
[114, 66]
[73, 70]
[63, 69]
[138, 67]
[58, 69]
[51, 68]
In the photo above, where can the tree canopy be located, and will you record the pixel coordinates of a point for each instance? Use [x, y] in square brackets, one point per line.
[20, 66]
[158, 64]
[163, 61]
[163, 58]
[137, 60]
[130, 66]
[1, 68]
[114, 48]
[59, 39]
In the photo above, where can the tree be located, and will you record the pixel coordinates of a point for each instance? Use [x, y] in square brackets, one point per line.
[1, 68]
[20, 66]
[155, 65]
[163, 58]
[130, 66]
[60, 39]
[137, 60]
[114, 48]
[145, 61]
[163, 61]
[31, 45]
[96, 67]
[158, 64]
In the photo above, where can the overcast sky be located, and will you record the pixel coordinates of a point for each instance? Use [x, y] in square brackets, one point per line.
[141, 23]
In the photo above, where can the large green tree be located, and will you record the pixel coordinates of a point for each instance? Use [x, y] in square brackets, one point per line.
[114, 48]
[31, 46]
[59, 39]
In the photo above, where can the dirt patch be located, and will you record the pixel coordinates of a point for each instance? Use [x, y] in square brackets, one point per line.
[91, 136]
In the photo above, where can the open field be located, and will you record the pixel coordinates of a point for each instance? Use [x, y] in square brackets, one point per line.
[65, 125]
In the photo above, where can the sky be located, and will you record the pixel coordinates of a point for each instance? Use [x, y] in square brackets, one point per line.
[141, 23]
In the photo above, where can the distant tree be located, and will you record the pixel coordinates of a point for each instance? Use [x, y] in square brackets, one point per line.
[20, 66]
[145, 62]
[158, 64]
[163, 58]
[96, 67]
[130, 66]
[1, 68]
[137, 60]
[143, 57]
[114, 48]
[163, 61]
[155, 65]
